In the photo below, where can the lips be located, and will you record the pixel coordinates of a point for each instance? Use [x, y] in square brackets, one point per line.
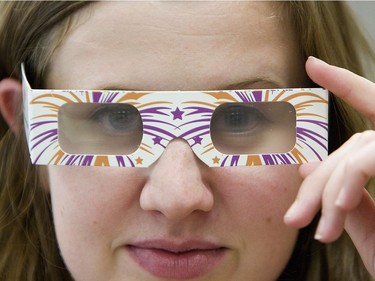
[164, 259]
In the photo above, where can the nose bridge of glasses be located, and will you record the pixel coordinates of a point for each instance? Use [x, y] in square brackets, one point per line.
[180, 115]
[177, 123]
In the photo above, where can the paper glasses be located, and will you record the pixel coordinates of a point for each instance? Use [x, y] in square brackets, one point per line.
[132, 129]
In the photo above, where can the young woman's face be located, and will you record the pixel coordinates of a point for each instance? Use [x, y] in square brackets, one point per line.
[185, 220]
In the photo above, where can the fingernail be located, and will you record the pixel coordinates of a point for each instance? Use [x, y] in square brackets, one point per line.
[316, 60]
[318, 236]
[292, 211]
[320, 230]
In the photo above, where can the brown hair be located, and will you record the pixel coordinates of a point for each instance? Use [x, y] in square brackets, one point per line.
[31, 31]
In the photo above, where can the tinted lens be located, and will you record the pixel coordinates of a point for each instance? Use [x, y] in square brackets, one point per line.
[254, 128]
[92, 128]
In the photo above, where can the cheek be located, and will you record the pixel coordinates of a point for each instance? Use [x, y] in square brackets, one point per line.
[261, 192]
[91, 195]
[90, 208]
[255, 200]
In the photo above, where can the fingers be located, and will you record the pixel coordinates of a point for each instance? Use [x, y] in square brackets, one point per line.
[358, 169]
[308, 168]
[331, 223]
[335, 185]
[360, 225]
[309, 197]
[354, 89]
[344, 189]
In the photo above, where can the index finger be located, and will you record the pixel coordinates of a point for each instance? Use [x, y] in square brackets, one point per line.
[352, 88]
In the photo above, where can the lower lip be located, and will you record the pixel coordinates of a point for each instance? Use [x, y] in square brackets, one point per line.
[164, 264]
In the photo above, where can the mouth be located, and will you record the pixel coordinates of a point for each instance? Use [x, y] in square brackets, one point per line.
[164, 259]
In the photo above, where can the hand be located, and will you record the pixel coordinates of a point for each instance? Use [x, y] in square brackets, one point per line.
[336, 185]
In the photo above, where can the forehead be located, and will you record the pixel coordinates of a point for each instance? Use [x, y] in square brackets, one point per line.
[174, 45]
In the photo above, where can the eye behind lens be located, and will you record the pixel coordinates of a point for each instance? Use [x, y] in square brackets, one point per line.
[117, 119]
[241, 119]
[236, 119]
[103, 129]
[253, 128]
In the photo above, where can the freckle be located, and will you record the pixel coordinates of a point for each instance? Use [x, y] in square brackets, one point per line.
[269, 219]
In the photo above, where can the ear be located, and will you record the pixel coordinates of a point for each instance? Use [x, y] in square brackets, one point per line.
[10, 98]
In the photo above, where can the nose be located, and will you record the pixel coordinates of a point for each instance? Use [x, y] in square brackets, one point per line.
[175, 186]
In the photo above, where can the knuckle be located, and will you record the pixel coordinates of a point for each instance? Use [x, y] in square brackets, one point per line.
[310, 180]
[351, 164]
[326, 197]
[364, 137]
[355, 137]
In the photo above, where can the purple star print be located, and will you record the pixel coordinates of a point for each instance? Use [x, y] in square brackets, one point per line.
[177, 114]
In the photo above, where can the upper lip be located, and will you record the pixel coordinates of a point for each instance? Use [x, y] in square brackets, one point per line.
[177, 246]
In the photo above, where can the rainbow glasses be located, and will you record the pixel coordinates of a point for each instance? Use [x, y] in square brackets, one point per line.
[132, 128]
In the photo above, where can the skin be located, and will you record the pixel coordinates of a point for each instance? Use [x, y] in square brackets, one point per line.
[175, 46]
[338, 182]
[90, 219]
